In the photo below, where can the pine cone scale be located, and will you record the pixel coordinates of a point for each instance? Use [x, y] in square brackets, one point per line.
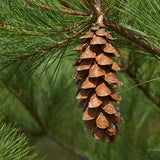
[94, 101]
[102, 59]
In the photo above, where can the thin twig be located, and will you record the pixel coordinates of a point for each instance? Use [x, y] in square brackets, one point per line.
[39, 5]
[32, 132]
[29, 3]
[130, 35]
[65, 11]
[73, 12]
[5, 25]
[73, 27]
[26, 104]
[56, 30]
[66, 147]
[21, 129]
[93, 8]
[65, 4]
[87, 3]
[56, 140]
[50, 135]
[100, 4]
[49, 48]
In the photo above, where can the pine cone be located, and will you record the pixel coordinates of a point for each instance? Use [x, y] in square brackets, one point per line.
[96, 83]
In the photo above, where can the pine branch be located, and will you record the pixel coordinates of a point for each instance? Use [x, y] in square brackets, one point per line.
[31, 132]
[53, 138]
[100, 4]
[126, 67]
[56, 140]
[95, 9]
[4, 24]
[39, 5]
[88, 5]
[43, 132]
[65, 11]
[49, 48]
[65, 4]
[27, 106]
[34, 114]
[73, 12]
[130, 35]
[66, 147]
[60, 31]
[68, 29]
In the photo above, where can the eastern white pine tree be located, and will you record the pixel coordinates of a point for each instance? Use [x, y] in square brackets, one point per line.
[40, 39]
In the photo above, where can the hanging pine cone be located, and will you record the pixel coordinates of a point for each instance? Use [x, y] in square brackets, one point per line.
[96, 84]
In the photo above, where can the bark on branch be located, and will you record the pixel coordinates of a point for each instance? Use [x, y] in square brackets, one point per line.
[73, 12]
[93, 8]
[65, 11]
[130, 35]
[65, 4]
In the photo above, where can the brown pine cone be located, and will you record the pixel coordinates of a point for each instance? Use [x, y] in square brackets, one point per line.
[96, 84]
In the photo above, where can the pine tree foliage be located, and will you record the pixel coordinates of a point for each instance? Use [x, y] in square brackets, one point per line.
[14, 145]
[37, 90]
[145, 18]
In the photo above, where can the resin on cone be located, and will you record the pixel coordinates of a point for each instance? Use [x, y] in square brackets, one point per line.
[96, 84]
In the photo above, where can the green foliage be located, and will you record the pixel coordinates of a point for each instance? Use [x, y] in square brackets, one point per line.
[141, 16]
[14, 145]
[43, 83]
